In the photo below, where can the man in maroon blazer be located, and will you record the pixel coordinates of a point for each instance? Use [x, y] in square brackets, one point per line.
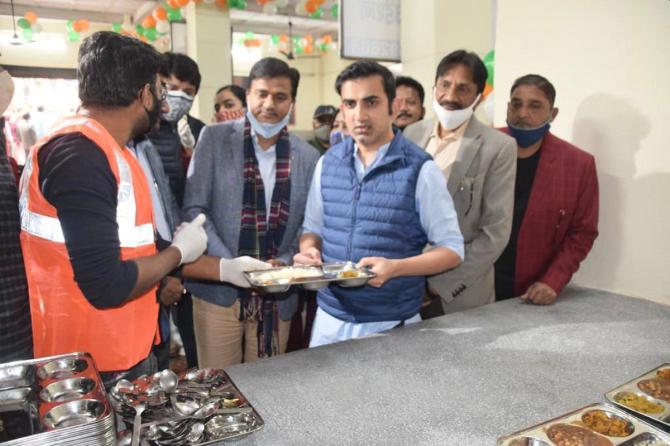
[555, 200]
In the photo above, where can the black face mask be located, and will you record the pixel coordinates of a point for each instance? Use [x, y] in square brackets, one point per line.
[153, 115]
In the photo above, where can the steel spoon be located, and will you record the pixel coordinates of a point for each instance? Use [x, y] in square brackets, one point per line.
[137, 423]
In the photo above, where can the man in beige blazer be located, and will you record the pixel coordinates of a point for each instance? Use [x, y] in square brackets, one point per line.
[479, 164]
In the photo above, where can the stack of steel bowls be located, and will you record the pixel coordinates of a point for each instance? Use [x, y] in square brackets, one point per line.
[59, 400]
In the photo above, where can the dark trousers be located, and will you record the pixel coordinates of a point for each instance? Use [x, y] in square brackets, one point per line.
[183, 318]
[162, 354]
[299, 335]
[434, 308]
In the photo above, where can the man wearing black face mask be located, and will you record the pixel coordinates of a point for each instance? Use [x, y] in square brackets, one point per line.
[555, 200]
[87, 228]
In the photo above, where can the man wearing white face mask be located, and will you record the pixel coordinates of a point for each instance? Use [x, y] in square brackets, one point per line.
[479, 164]
[178, 132]
[251, 178]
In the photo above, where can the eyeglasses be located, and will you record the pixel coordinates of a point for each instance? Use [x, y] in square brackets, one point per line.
[162, 94]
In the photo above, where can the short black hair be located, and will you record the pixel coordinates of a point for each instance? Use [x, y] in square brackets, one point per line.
[273, 67]
[540, 82]
[182, 67]
[114, 68]
[412, 83]
[368, 68]
[468, 59]
[237, 91]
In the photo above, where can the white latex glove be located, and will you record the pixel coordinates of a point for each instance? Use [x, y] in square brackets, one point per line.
[185, 134]
[191, 239]
[232, 270]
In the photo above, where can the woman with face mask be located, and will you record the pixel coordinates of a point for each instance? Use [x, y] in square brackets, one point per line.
[230, 103]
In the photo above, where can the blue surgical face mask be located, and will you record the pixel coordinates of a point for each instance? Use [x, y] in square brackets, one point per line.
[336, 137]
[527, 137]
[268, 129]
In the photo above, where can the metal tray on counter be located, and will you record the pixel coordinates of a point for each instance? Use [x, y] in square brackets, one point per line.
[280, 279]
[647, 395]
[205, 408]
[57, 400]
[594, 425]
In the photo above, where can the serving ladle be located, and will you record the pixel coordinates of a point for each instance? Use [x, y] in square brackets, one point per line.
[169, 381]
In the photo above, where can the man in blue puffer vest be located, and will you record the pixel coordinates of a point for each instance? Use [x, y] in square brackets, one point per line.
[378, 200]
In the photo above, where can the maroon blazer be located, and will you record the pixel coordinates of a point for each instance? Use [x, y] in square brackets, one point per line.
[561, 219]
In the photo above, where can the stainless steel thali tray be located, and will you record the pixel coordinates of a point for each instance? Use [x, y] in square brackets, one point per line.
[15, 375]
[62, 400]
[280, 279]
[647, 395]
[594, 425]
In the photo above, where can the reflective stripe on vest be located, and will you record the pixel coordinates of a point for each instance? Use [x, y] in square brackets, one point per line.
[49, 228]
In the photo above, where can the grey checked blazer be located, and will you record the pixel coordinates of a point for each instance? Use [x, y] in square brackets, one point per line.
[215, 187]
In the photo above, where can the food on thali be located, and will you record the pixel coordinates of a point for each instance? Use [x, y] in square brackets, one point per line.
[349, 274]
[638, 403]
[563, 434]
[607, 424]
[287, 274]
[231, 402]
[663, 374]
[658, 388]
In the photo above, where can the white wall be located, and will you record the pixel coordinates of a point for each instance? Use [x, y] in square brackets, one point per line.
[608, 60]
[209, 43]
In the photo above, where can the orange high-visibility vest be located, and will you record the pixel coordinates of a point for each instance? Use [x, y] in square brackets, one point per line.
[63, 320]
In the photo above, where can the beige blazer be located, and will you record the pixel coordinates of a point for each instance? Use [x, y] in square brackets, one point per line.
[481, 184]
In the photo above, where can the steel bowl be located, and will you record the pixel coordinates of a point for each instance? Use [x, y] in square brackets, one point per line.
[67, 390]
[62, 368]
[281, 286]
[353, 282]
[526, 441]
[606, 429]
[16, 376]
[644, 439]
[314, 286]
[222, 426]
[73, 413]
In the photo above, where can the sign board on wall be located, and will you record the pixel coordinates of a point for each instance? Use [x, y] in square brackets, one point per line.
[370, 29]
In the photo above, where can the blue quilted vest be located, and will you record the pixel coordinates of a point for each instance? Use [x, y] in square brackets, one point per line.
[374, 217]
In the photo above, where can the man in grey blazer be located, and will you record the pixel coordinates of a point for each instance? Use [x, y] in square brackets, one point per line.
[479, 164]
[250, 177]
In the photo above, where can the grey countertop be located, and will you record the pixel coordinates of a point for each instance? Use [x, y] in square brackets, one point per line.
[461, 379]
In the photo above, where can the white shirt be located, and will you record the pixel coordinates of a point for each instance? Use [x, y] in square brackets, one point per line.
[328, 329]
[267, 165]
